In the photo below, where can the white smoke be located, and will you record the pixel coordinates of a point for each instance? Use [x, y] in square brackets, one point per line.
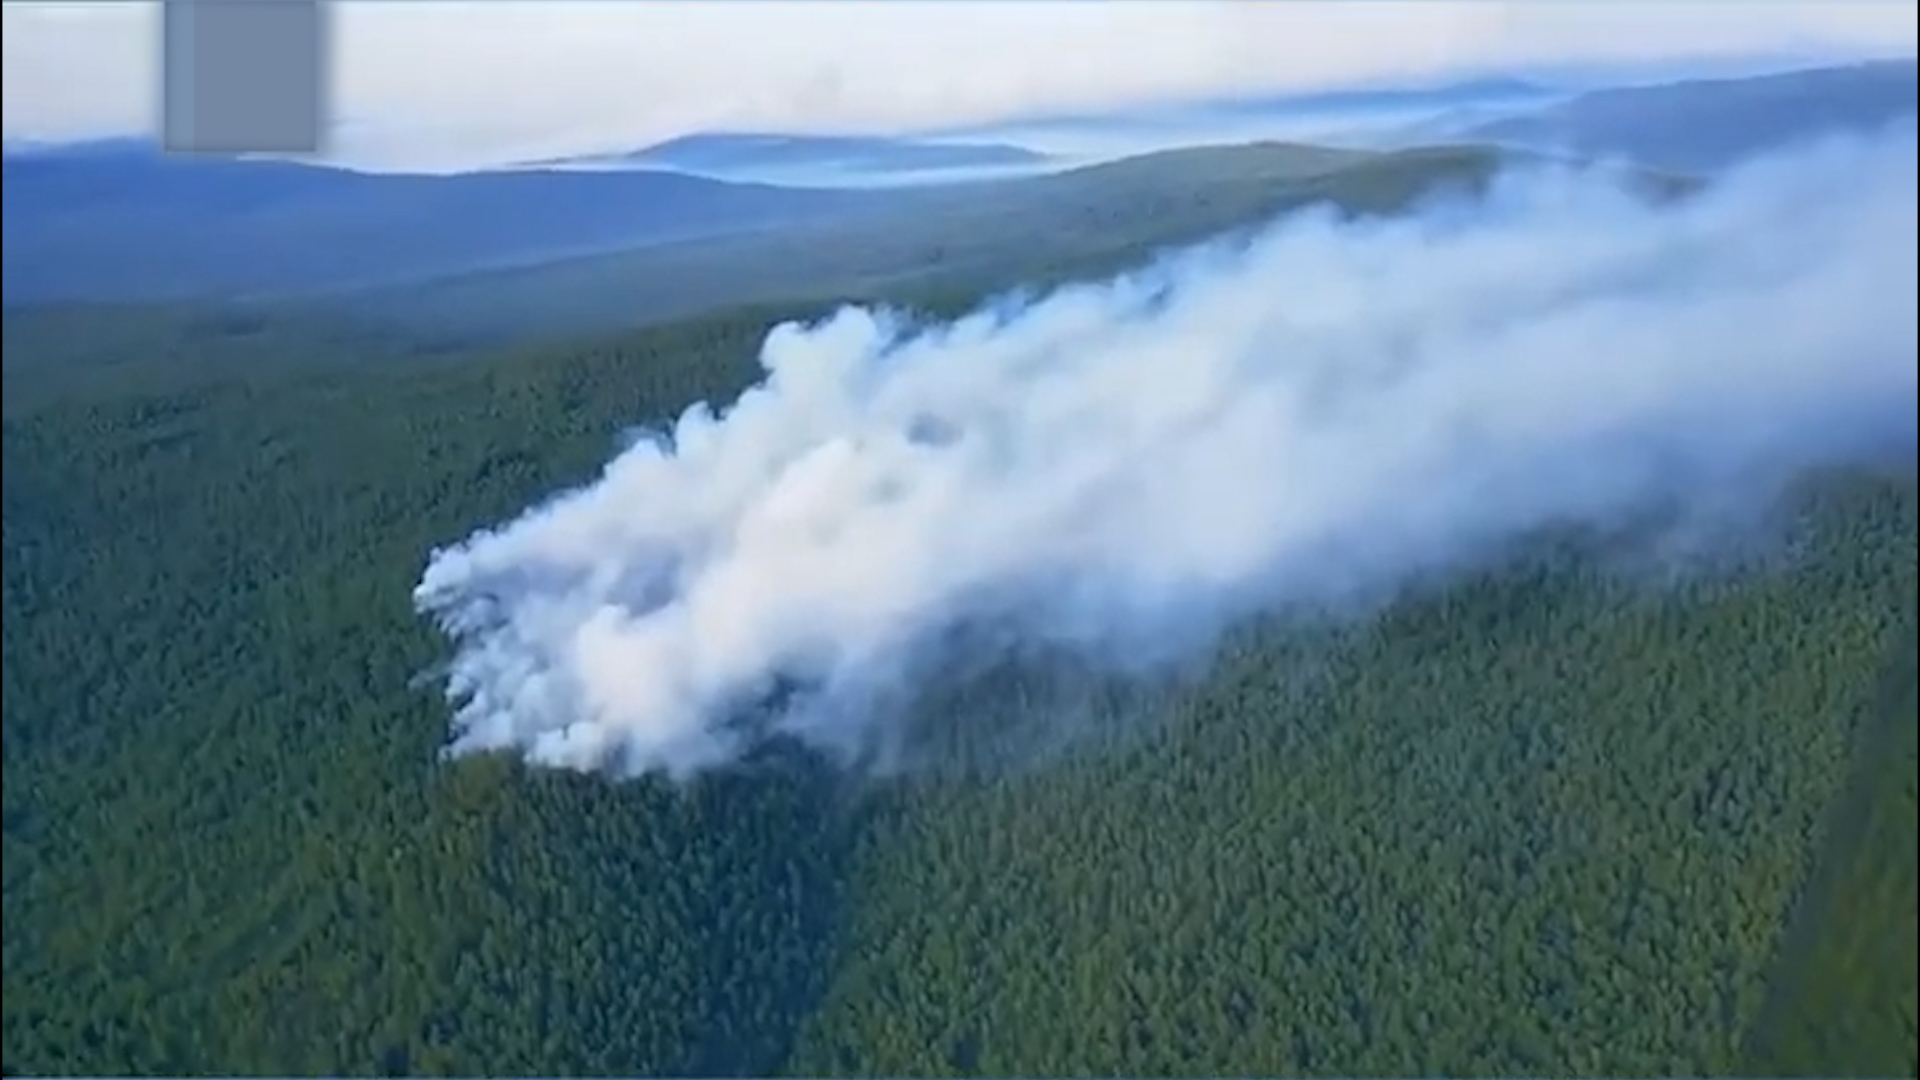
[1116, 468]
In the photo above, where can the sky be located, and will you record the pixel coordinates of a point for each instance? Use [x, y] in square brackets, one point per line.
[451, 83]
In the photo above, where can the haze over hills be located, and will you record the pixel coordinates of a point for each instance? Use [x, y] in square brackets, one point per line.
[1346, 100]
[825, 160]
[1708, 124]
[1388, 101]
[113, 221]
[1096, 219]
[123, 221]
[1295, 116]
[290, 229]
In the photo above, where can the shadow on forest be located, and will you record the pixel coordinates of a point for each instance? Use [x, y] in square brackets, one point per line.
[636, 927]
[792, 822]
[1834, 998]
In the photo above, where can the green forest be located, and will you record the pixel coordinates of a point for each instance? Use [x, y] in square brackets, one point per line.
[1542, 821]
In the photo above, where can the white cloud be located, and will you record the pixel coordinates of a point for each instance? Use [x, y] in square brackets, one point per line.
[452, 81]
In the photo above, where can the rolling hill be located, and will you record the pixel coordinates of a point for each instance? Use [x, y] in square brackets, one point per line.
[751, 156]
[1471, 93]
[1707, 124]
[1286, 115]
[127, 223]
[1096, 219]
[115, 221]
[1570, 840]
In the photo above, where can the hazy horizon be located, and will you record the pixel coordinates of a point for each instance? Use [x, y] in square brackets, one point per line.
[417, 86]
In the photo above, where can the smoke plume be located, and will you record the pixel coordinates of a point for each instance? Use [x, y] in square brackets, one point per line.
[1115, 472]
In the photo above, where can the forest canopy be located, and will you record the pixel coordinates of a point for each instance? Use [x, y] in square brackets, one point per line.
[1539, 821]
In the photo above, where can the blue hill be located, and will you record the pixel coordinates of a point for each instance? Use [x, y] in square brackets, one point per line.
[1705, 124]
[724, 153]
[119, 219]
[116, 220]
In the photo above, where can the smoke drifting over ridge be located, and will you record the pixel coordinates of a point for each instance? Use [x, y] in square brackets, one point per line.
[1125, 468]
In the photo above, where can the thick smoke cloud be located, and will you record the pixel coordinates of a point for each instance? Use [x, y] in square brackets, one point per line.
[1117, 471]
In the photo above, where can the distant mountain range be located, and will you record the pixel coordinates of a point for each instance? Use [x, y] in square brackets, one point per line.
[124, 221]
[1086, 222]
[749, 154]
[116, 220]
[1291, 115]
[1474, 92]
[1703, 124]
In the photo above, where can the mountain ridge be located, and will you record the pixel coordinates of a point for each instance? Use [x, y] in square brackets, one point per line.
[744, 151]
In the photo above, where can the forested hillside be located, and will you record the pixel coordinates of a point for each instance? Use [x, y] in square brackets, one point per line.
[1548, 821]
[1701, 125]
[1079, 225]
